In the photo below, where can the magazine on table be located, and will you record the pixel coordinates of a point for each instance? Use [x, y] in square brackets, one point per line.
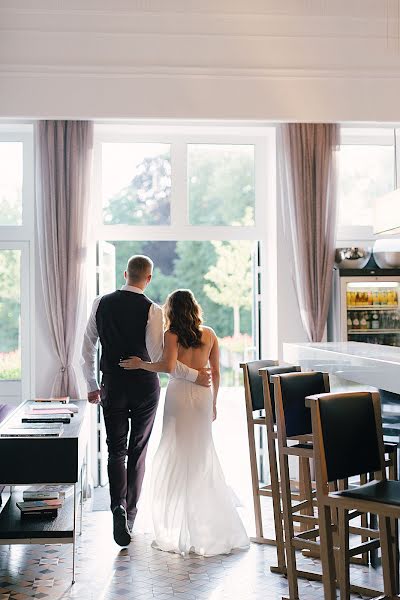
[62, 399]
[49, 411]
[33, 433]
[49, 406]
[46, 419]
[55, 426]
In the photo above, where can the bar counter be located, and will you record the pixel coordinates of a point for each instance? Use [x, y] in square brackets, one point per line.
[366, 364]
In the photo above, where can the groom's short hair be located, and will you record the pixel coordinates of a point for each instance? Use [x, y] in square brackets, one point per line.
[139, 267]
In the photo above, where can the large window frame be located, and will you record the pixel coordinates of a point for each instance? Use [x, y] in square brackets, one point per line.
[179, 137]
[21, 237]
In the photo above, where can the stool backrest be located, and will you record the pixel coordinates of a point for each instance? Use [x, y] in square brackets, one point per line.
[291, 390]
[269, 393]
[347, 430]
[252, 382]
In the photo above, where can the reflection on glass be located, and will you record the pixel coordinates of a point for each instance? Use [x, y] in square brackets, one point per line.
[221, 184]
[10, 314]
[364, 173]
[11, 175]
[136, 183]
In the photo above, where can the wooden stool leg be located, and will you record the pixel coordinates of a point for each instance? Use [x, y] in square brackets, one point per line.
[394, 524]
[327, 554]
[254, 474]
[389, 579]
[364, 559]
[393, 474]
[343, 559]
[276, 503]
[288, 525]
[305, 489]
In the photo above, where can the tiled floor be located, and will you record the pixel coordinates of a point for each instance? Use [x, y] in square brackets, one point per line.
[104, 571]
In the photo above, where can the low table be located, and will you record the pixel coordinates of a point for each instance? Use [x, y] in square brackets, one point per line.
[27, 461]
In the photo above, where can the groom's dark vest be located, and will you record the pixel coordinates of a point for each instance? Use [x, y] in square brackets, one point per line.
[121, 320]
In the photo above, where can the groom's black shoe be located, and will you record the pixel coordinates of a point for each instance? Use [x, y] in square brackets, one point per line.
[121, 532]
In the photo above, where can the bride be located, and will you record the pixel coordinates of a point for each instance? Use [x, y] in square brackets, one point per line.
[192, 507]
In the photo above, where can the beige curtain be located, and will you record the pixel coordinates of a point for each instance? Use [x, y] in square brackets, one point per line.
[64, 156]
[306, 163]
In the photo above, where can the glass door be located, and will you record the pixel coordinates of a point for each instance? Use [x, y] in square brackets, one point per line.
[372, 311]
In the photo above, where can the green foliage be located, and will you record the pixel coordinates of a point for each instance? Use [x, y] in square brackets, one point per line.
[10, 365]
[146, 201]
[221, 192]
[9, 299]
[221, 184]
[230, 278]
[194, 260]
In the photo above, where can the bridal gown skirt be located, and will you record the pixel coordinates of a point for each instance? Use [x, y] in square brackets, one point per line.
[192, 507]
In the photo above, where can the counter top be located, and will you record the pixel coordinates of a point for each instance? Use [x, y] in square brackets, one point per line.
[369, 364]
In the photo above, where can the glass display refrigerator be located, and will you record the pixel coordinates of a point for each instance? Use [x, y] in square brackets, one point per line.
[370, 309]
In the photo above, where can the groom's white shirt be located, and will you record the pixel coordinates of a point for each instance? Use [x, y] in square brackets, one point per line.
[154, 343]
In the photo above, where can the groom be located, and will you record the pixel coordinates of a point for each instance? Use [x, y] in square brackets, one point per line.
[127, 324]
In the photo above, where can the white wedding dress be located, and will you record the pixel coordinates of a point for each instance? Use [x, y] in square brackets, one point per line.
[192, 507]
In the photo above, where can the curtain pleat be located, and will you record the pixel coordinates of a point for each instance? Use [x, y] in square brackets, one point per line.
[64, 159]
[307, 171]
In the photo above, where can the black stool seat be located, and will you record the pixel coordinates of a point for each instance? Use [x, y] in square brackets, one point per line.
[386, 492]
[390, 447]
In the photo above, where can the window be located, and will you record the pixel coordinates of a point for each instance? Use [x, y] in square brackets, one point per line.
[183, 194]
[16, 268]
[136, 183]
[366, 170]
[10, 314]
[11, 178]
[221, 184]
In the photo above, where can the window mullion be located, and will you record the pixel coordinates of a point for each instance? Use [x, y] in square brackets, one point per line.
[179, 203]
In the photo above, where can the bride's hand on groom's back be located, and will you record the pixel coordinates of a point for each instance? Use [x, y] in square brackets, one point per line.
[131, 363]
[204, 377]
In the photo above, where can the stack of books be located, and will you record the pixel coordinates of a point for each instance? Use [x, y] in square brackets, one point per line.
[53, 412]
[44, 500]
[40, 508]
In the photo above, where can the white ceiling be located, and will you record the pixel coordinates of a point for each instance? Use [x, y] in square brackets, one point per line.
[248, 59]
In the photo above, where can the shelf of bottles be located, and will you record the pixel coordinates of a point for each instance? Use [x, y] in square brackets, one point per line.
[373, 313]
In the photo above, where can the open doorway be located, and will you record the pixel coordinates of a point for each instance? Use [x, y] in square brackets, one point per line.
[224, 277]
[200, 201]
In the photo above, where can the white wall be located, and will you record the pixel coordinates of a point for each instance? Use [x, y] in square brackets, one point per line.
[223, 59]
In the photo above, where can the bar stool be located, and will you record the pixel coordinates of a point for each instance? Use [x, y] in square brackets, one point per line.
[294, 424]
[270, 420]
[360, 449]
[293, 419]
[254, 398]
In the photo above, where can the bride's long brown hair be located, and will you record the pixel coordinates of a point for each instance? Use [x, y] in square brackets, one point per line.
[183, 316]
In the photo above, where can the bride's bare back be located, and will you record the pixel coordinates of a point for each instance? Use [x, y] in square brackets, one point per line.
[198, 358]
